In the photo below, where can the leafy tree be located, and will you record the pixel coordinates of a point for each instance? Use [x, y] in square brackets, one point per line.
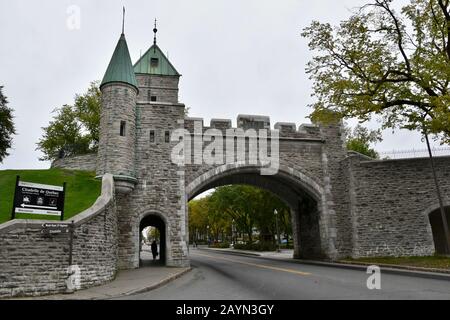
[235, 201]
[7, 129]
[395, 65]
[219, 223]
[88, 107]
[198, 219]
[63, 137]
[153, 234]
[265, 204]
[74, 129]
[360, 138]
[248, 206]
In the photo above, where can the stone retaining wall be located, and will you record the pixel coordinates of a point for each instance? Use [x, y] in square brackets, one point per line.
[390, 202]
[33, 264]
[87, 162]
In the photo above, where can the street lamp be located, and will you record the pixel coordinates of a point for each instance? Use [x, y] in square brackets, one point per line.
[207, 236]
[275, 212]
[233, 231]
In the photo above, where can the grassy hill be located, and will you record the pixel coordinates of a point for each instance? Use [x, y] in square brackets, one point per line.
[81, 191]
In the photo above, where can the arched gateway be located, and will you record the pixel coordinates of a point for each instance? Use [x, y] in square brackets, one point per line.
[342, 204]
[153, 160]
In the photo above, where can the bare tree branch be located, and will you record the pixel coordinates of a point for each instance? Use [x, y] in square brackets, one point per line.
[444, 8]
[383, 4]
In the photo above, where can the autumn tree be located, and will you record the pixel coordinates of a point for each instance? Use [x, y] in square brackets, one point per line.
[235, 202]
[248, 207]
[392, 64]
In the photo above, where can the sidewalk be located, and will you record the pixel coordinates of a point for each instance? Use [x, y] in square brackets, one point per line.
[127, 282]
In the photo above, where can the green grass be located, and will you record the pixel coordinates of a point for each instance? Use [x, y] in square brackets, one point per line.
[81, 191]
[439, 262]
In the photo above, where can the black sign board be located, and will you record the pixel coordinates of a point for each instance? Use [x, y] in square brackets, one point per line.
[53, 228]
[33, 198]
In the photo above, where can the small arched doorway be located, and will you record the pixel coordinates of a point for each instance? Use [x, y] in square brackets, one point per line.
[158, 234]
[440, 243]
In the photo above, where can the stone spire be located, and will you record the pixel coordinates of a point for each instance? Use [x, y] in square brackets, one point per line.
[155, 30]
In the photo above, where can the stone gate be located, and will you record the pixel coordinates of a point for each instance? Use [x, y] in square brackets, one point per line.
[153, 159]
[342, 204]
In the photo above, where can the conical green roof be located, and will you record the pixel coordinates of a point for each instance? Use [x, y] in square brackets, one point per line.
[120, 68]
[160, 66]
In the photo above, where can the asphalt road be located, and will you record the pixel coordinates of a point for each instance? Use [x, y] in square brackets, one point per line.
[231, 277]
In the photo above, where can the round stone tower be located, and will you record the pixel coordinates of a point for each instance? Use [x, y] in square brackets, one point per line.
[116, 153]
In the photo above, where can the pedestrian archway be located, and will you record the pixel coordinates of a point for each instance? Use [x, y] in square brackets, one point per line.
[437, 228]
[158, 234]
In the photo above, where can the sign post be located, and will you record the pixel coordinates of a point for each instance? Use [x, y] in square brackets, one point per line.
[34, 198]
[71, 230]
[63, 198]
[13, 211]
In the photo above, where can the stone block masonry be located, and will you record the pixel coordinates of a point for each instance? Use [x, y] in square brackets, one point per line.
[390, 203]
[32, 264]
[87, 162]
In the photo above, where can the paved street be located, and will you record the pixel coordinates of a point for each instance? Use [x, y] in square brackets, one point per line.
[224, 276]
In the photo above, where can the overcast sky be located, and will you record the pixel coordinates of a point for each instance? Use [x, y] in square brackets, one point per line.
[236, 57]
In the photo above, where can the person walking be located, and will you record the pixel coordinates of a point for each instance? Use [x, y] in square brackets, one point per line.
[154, 249]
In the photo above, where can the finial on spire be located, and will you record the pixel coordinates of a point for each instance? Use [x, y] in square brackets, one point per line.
[155, 30]
[123, 21]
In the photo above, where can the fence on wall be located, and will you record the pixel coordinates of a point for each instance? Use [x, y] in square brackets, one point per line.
[414, 153]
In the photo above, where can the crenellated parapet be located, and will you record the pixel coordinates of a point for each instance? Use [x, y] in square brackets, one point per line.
[257, 122]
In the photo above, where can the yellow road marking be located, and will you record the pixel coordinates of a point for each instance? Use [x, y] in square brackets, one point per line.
[257, 265]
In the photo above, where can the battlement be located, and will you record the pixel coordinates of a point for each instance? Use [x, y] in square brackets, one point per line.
[258, 122]
[246, 121]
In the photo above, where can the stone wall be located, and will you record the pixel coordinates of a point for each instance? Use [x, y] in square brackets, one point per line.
[87, 162]
[390, 203]
[299, 150]
[309, 178]
[33, 264]
[159, 189]
[116, 150]
[163, 88]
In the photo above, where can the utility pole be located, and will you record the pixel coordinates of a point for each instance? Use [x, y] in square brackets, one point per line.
[438, 191]
[233, 233]
[275, 212]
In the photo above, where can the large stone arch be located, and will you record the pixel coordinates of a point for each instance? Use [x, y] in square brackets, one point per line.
[304, 196]
[197, 184]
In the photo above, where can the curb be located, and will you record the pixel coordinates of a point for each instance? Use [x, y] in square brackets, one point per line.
[150, 287]
[236, 253]
[411, 271]
[436, 274]
[400, 267]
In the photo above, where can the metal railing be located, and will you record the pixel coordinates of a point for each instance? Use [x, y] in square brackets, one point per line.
[414, 153]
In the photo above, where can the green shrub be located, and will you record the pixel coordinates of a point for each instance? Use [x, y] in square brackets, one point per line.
[200, 242]
[263, 246]
[221, 245]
